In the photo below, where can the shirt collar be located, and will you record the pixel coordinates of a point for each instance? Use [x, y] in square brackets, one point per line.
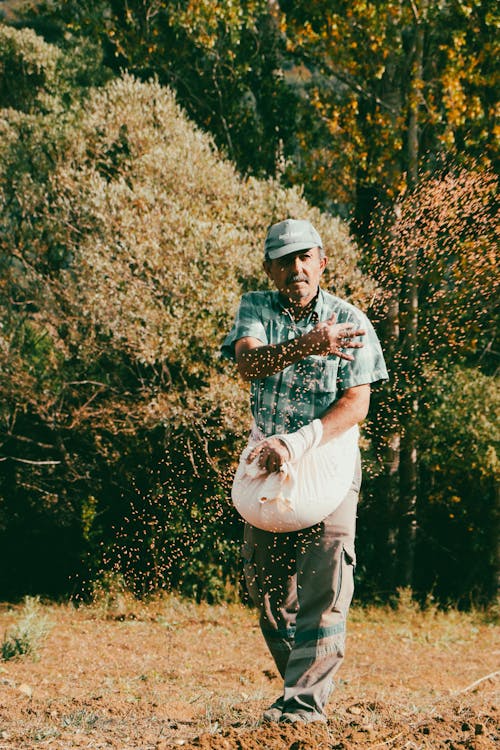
[314, 313]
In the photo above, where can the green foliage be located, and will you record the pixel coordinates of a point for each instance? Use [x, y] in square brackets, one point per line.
[459, 439]
[27, 68]
[126, 243]
[26, 637]
[349, 98]
[387, 88]
[460, 424]
[37, 76]
[456, 556]
[220, 57]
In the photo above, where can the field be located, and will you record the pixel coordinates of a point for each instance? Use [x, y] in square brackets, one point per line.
[170, 674]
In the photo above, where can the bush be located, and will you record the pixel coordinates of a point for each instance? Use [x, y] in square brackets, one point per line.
[27, 69]
[459, 474]
[27, 636]
[127, 242]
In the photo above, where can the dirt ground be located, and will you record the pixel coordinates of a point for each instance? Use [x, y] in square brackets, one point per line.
[174, 674]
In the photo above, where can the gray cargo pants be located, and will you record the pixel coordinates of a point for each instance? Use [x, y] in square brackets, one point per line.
[302, 583]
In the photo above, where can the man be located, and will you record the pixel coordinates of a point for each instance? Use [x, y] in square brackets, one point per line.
[308, 355]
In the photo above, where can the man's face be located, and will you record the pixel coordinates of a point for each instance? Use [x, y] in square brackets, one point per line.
[297, 275]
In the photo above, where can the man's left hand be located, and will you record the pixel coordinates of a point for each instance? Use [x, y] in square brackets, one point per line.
[271, 453]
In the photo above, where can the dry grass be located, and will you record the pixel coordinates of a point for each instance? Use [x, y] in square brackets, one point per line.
[125, 674]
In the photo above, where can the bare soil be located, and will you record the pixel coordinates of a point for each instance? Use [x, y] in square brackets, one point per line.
[174, 674]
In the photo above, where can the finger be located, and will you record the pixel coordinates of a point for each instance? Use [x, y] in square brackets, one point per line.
[346, 336]
[346, 328]
[345, 355]
[255, 452]
[268, 464]
[263, 459]
[352, 344]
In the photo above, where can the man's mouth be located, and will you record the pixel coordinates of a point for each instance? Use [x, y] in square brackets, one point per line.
[296, 280]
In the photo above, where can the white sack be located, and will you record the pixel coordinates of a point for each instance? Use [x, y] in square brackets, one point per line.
[303, 493]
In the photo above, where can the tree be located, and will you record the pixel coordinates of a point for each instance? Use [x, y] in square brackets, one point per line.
[221, 58]
[357, 128]
[126, 242]
[459, 514]
[439, 264]
[390, 89]
[387, 89]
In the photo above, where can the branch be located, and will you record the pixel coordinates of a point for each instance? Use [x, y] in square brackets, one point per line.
[490, 676]
[28, 461]
[24, 439]
[415, 11]
[364, 93]
[414, 725]
[87, 382]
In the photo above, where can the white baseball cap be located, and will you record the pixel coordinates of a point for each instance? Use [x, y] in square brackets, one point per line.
[290, 236]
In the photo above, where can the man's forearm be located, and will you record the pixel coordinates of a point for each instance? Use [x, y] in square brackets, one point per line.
[263, 361]
[256, 360]
[350, 409]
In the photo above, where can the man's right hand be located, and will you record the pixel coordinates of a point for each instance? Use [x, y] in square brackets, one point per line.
[330, 337]
[271, 454]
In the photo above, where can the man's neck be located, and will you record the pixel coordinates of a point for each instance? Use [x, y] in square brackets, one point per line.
[299, 309]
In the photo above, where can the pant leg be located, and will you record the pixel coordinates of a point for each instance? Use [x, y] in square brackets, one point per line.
[325, 585]
[302, 584]
[269, 568]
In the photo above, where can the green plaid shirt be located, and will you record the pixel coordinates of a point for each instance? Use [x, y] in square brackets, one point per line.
[303, 391]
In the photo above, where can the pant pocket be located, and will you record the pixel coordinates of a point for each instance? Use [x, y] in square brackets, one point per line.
[250, 572]
[349, 554]
[345, 578]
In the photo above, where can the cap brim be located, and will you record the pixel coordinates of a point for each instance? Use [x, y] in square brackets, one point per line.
[294, 247]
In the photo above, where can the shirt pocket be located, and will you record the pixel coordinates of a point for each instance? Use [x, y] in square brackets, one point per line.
[328, 375]
[316, 383]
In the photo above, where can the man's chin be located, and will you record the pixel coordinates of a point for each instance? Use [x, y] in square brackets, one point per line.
[297, 291]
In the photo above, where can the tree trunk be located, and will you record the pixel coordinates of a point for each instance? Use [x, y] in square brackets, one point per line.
[408, 466]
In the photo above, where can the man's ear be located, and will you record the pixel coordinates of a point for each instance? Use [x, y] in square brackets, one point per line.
[266, 265]
[323, 261]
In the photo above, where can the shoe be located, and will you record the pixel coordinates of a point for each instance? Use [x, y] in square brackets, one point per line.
[273, 713]
[304, 717]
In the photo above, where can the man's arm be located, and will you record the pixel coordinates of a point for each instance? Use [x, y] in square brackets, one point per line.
[255, 360]
[350, 409]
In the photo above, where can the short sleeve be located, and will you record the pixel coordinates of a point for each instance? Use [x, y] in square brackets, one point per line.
[248, 322]
[368, 365]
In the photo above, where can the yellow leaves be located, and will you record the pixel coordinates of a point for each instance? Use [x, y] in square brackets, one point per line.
[333, 124]
[205, 19]
[459, 40]
[454, 99]
[305, 35]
